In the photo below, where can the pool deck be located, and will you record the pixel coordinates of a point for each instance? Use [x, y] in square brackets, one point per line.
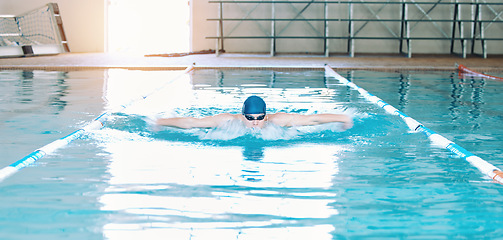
[83, 61]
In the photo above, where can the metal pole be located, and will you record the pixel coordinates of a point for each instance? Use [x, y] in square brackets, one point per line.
[454, 21]
[402, 27]
[482, 35]
[220, 41]
[351, 46]
[462, 33]
[475, 20]
[273, 30]
[407, 31]
[325, 40]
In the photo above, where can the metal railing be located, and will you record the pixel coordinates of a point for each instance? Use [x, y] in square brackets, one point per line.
[467, 21]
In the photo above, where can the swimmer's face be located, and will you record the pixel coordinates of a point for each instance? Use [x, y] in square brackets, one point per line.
[255, 120]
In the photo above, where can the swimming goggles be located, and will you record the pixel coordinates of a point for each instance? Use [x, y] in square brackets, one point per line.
[251, 118]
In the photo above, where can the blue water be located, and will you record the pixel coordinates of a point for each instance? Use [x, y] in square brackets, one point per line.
[134, 180]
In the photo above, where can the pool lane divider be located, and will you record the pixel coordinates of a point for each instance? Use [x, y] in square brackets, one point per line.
[483, 166]
[464, 70]
[97, 123]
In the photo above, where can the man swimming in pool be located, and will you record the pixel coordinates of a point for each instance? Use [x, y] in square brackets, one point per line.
[254, 116]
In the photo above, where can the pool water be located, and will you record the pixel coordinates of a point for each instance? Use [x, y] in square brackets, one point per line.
[135, 180]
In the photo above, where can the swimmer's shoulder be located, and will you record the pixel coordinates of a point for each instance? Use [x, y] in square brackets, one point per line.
[281, 118]
[226, 116]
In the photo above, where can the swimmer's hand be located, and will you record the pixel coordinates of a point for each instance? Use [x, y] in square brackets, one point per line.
[348, 123]
[498, 176]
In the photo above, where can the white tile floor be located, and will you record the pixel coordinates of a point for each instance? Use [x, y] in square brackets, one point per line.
[102, 60]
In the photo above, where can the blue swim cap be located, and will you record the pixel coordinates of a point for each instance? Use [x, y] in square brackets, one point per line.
[254, 105]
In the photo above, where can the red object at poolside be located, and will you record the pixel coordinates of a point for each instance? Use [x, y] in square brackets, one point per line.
[464, 70]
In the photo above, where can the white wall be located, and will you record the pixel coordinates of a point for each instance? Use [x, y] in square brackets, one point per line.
[200, 11]
[148, 26]
[83, 20]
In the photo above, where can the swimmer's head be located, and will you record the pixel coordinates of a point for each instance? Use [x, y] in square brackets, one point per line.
[254, 105]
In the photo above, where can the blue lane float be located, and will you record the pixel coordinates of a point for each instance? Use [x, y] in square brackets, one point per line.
[483, 166]
[97, 123]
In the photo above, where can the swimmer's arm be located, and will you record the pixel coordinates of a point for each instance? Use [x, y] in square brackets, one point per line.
[191, 122]
[292, 119]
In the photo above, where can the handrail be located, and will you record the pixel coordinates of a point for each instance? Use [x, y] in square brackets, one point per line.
[353, 2]
[358, 38]
[345, 19]
[459, 32]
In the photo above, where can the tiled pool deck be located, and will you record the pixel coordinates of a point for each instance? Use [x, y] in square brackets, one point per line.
[75, 61]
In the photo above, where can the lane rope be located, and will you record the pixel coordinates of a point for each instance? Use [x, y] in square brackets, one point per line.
[464, 70]
[97, 123]
[483, 166]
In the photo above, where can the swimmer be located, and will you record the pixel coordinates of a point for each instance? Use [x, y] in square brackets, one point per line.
[254, 116]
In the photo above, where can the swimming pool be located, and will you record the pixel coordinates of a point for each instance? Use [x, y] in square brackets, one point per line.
[133, 180]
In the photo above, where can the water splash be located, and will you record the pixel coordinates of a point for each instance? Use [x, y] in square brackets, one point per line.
[235, 129]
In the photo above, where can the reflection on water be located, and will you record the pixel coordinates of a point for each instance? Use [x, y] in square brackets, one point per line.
[403, 91]
[38, 107]
[461, 96]
[132, 180]
[43, 89]
[254, 152]
[289, 183]
[231, 181]
[57, 193]
[242, 190]
[467, 91]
